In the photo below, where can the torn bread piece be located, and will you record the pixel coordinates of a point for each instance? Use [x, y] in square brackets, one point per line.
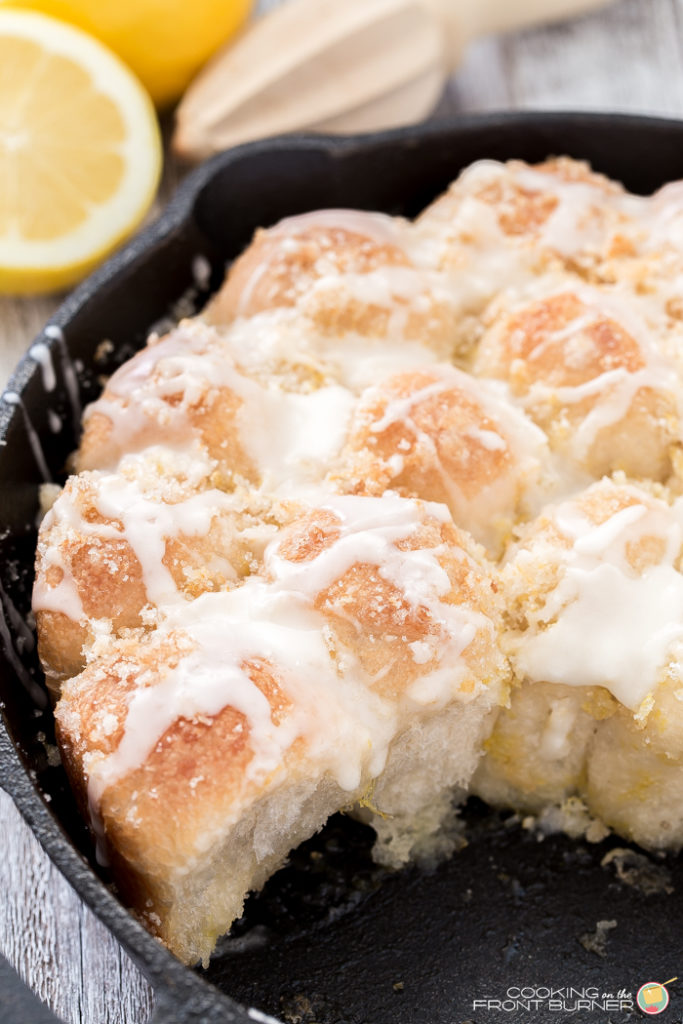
[206, 749]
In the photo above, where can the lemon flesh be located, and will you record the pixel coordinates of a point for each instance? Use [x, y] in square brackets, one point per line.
[80, 152]
[165, 42]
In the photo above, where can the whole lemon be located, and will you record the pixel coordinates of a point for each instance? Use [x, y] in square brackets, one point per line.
[165, 42]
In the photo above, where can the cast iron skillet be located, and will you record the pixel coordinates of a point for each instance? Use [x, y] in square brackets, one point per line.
[332, 939]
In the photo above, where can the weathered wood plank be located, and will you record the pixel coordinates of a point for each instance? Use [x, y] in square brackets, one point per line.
[628, 57]
[58, 946]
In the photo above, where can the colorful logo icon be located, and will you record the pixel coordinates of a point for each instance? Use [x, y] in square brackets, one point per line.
[653, 997]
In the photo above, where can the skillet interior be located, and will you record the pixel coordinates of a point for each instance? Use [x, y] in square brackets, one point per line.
[331, 939]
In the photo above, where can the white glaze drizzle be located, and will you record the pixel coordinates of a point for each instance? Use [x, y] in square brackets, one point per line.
[69, 373]
[581, 220]
[9, 612]
[41, 354]
[291, 437]
[604, 624]
[488, 512]
[12, 398]
[379, 227]
[398, 409]
[346, 728]
[54, 421]
[463, 233]
[369, 529]
[612, 392]
[276, 339]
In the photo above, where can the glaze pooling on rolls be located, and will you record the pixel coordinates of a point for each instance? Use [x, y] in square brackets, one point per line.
[284, 263]
[595, 608]
[181, 388]
[617, 547]
[185, 392]
[400, 592]
[263, 599]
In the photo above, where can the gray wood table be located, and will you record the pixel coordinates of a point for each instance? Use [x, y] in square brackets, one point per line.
[628, 57]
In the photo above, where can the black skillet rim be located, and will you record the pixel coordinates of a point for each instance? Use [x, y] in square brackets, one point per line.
[181, 994]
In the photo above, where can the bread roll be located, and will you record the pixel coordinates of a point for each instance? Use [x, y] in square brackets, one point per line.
[584, 367]
[594, 601]
[345, 271]
[115, 548]
[184, 397]
[505, 224]
[444, 436]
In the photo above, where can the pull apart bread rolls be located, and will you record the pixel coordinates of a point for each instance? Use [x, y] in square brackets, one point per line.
[207, 748]
[594, 602]
[178, 389]
[263, 599]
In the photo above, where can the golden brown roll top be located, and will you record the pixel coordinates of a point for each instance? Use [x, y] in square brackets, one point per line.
[181, 391]
[440, 434]
[402, 592]
[284, 263]
[182, 402]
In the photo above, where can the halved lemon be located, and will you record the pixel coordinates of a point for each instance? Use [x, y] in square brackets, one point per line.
[164, 42]
[80, 152]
